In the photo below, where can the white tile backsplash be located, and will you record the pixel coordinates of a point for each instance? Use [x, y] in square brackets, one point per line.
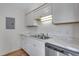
[68, 33]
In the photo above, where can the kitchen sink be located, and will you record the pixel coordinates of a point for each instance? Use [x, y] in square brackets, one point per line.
[41, 36]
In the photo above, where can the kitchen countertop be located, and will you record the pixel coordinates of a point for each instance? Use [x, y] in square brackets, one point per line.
[61, 41]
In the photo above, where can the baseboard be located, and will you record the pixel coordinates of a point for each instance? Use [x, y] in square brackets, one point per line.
[7, 51]
[16, 51]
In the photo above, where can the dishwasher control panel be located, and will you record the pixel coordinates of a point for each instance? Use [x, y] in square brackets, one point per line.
[54, 50]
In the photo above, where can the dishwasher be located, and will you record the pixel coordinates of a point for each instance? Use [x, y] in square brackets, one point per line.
[53, 50]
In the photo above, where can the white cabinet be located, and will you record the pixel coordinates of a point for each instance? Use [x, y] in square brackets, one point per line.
[33, 47]
[41, 11]
[65, 12]
[29, 19]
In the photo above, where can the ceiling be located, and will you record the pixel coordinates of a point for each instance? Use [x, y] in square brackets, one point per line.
[26, 7]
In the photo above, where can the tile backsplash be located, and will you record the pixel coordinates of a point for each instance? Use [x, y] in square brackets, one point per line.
[66, 31]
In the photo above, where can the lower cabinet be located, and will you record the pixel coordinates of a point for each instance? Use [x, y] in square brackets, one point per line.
[33, 47]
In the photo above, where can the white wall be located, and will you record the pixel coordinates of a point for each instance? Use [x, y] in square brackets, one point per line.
[10, 39]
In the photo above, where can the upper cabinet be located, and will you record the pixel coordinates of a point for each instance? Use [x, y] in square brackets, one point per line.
[61, 13]
[65, 13]
[41, 11]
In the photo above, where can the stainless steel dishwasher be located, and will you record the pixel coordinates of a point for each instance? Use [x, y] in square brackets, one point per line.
[53, 50]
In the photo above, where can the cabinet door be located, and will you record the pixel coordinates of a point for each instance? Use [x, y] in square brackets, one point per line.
[65, 12]
[38, 48]
[34, 47]
[44, 10]
[29, 19]
[26, 45]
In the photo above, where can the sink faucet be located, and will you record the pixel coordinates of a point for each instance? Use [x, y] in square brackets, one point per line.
[41, 36]
[44, 36]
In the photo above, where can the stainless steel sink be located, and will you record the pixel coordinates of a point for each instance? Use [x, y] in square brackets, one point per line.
[41, 36]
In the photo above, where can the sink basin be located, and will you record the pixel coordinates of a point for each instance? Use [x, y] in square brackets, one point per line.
[41, 36]
[44, 38]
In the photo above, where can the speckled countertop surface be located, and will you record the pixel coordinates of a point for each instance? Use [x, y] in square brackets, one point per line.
[68, 43]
